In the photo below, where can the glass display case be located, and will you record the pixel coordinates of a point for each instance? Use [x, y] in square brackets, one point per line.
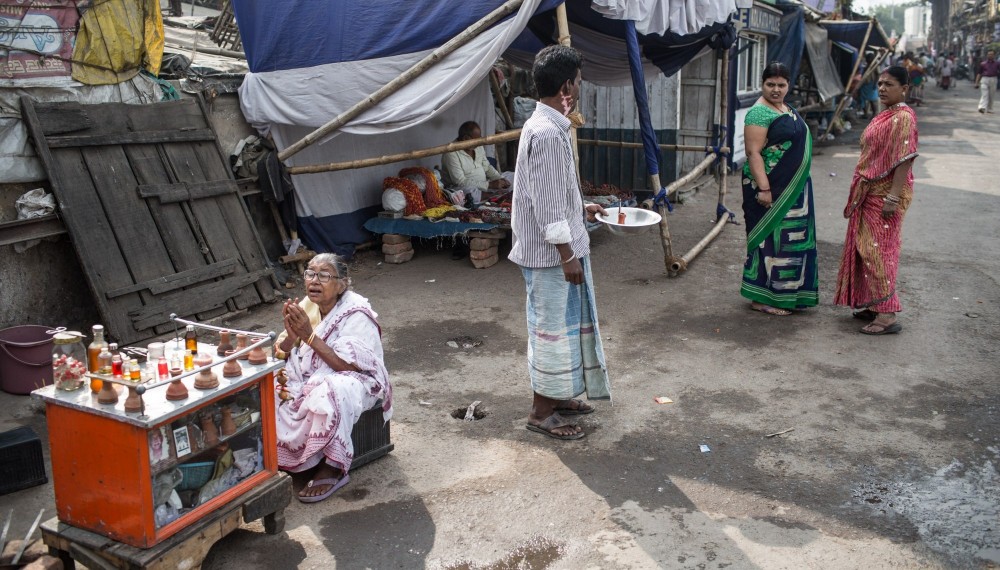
[139, 477]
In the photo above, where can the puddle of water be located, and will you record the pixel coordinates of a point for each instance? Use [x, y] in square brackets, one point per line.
[536, 554]
[955, 510]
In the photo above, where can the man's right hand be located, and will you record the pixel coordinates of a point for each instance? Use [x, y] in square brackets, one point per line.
[573, 271]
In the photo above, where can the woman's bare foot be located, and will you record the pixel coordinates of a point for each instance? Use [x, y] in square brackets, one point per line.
[768, 309]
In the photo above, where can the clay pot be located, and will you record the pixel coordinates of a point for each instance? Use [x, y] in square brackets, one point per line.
[209, 431]
[228, 425]
[206, 379]
[225, 343]
[176, 390]
[232, 369]
[108, 394]
[258, 356]
[241, 343]
[134, 401]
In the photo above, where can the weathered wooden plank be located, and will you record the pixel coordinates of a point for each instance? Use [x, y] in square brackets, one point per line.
[180, 191]
[142, 250]
[119, 118]
[186, 248]
[221, 240]
[66, 119]
[193, 300]
[88, 224]
[35, 228]
[238, 218]
[143, 137]
[180, 233]
[177, 280]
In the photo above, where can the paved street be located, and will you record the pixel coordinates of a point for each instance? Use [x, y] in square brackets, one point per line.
[894, 442]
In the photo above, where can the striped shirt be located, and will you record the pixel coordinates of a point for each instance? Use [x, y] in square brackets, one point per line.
[548, 206]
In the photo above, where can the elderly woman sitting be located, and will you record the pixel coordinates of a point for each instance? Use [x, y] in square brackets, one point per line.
[335, 372]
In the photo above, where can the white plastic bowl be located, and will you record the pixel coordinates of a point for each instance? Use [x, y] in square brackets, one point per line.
[637, 220]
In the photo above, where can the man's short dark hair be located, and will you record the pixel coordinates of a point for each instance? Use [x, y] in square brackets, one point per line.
[554, 66]
[465, 131]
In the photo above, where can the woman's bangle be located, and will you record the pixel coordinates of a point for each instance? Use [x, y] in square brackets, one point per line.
[892, 198]
[309, 341]
[768, 190]
[571, 258]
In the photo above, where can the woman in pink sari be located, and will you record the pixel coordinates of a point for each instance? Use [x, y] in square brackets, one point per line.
[335, 373]
[881, 191]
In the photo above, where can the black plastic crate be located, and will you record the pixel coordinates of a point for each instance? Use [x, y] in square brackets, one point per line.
[21, 461]
[370, 437]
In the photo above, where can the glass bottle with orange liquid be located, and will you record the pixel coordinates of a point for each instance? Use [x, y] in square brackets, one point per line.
[93, 354]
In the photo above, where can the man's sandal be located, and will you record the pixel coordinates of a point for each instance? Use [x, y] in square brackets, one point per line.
[554, 422]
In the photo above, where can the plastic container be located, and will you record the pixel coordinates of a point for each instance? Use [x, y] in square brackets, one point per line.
[25, 358]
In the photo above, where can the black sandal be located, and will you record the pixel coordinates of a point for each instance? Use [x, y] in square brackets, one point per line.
[866, 315]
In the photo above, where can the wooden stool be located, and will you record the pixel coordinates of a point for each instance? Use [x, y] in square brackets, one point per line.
[187, 548]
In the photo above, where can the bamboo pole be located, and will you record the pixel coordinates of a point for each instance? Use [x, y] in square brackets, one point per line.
[695, 173]
[724, 131]
[857, 63]
[680, 264]
[674, 147]
[391, 158]
[562, 24]
[404, 79]
[500, 101]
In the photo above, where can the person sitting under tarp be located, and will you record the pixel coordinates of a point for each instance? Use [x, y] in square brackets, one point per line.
[469, 170]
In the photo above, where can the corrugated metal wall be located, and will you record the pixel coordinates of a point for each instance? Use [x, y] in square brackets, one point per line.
[612, 116]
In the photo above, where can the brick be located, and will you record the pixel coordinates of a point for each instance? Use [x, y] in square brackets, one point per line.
[484, 263]
[393, 239]
[399, 257]
[492, 234]
[393, 249]
[45, 563]
[483, 253]
[479, 244]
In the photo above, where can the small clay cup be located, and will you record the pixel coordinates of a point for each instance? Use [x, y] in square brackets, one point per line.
[225, 343]
[134, 401]
[176, 390]
[209, 431]
[258, 356]
[241, 343]
[232, 369]
[108, 394]
[206, 379]
[228, 425]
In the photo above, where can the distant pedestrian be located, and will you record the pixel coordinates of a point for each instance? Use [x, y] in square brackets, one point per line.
[986, 81]
[881, 191]
[944, 81]
[565, 355]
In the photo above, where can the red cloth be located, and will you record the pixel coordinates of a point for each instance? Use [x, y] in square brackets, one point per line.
[868, 265]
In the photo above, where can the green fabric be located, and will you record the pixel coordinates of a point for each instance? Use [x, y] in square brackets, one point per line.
[776, 213]
[762, 116]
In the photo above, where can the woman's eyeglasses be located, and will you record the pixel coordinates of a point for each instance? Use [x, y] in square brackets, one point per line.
[321, 276]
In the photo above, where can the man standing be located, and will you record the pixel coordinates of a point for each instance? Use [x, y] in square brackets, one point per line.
[986, 81]
[565, 355]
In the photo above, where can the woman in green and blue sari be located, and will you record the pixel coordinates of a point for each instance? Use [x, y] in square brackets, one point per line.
[780, 272]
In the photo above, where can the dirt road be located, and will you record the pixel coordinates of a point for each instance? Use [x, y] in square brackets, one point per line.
[891, 461]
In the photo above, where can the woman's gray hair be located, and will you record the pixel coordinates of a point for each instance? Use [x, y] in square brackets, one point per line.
[334, 261]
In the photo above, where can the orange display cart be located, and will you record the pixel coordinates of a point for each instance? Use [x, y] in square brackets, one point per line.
[140, 478]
